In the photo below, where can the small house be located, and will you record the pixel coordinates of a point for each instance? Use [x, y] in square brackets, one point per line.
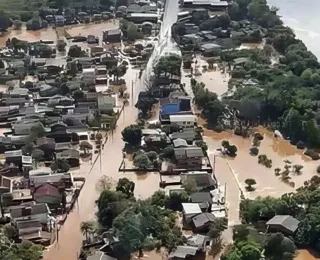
[71, 156]
[284, 224]
[106, 103]
[189, 211]
[204, 199]
[49, 194]
[112, 36]
[188, 157]
[183, 121]
[39, 212]
[202, 222]
[203, 180]
[183, 252]
[59, 20]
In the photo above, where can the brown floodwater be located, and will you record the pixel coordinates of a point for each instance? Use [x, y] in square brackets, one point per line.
[31, 36]
[304, 254]
[246, 166]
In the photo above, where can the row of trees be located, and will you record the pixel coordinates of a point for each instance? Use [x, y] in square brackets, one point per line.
[145, 224]
[250, 245]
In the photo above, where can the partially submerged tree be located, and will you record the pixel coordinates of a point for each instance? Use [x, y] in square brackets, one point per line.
[250, 182]
[86, 228]
[104, 183]
[60, 165]
[132, 135]
[126, 186]
[85, 146]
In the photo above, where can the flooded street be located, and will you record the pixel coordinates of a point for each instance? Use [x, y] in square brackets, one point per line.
[32, 36]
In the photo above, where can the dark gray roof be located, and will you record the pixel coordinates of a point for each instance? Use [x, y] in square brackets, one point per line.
[197, 240]
[190, 135]
[203, 219]
[288, 222]
[199, 197]
[188, 152]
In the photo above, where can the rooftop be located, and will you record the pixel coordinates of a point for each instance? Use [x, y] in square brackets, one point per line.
[286, 221]
[203, 219]
[191, 208]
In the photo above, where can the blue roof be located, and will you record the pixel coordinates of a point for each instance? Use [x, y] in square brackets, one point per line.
[170, 109]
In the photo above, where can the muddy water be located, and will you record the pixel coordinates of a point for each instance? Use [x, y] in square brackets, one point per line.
[50, 33]
[31, 36]
[307, 255]
[94, 29]
[246, 166]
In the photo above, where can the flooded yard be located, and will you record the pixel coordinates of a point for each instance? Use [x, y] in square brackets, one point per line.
[246, 166]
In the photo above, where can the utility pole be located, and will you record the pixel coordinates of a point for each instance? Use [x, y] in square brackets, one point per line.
[132, 93]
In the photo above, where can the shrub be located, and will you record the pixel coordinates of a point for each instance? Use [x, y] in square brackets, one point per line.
[301, 145]
[318, 169]
[254, 151]
[258, 136]
[314, 155]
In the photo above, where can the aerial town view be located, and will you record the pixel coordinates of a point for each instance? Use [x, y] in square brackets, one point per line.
[159, 129]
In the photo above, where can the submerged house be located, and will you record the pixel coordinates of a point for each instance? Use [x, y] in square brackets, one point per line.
[72, 156]
[50, 194]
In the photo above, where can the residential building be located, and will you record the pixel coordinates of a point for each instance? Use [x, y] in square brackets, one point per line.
[39, 212]
[204, 199]
[49, 194]
[89, 76]
[183, 121]
[189, 211]
[203, 180]
[209, 4]
[188, 134]
[59, 20]
[72, 156]
[143, 17]
[202, 222]
[106, 103]
[188, 157]
[283, 223]
[183, 252]
[112, 36]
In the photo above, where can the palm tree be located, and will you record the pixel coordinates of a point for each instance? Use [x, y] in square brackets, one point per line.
[86, 227]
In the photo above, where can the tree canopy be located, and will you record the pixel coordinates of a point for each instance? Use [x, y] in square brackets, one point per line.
[132, 135]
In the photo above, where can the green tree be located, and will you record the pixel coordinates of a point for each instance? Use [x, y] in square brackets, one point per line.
[250, 252]
[5, 21]
[176, 199]
[145, 105]
[189, 185]
[279, 247]
[86, 228]
[37, 155]
[132, 135]
[257, 8]
[306, 74]
[110, 205]
[75, 51]
[217, 227]
[142, 161]
[159, 198]
[78, 95]
[250, 182]
[85, 146]
[126, 186]
[37, 131]
[168, 66]
[132, 32]
[60, 165]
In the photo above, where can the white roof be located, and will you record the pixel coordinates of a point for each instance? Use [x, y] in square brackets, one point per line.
[40, 171]
[144, 15]
[182, 118]
[191, 208]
